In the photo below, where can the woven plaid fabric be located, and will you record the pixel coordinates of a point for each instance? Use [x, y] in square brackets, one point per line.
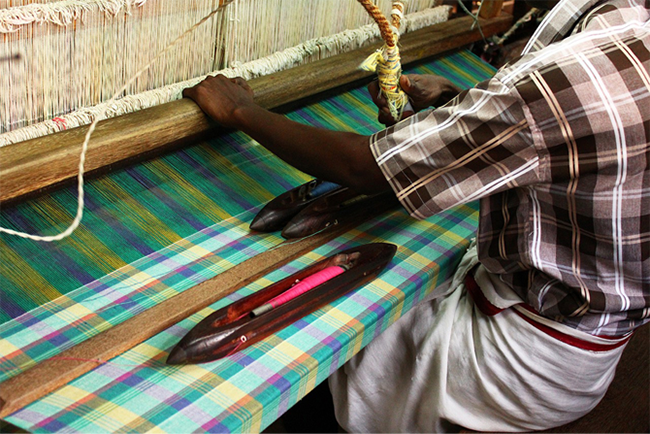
[137, 392]
[250, 389]
[137, 211]
[557, 147]
[131, 214]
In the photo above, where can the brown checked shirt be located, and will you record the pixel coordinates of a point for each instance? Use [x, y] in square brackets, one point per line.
[557, 148]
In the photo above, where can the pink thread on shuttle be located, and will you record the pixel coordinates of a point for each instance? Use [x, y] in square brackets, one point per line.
[306, 284]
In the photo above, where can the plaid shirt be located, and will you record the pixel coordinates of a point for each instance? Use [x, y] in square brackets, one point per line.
[557, 148]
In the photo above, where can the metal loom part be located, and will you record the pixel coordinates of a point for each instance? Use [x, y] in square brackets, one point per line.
[233, 328]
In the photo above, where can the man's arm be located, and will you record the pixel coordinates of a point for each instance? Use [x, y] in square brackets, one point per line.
[341, 157]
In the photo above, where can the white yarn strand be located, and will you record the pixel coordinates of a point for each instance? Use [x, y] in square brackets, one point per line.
[62, 13]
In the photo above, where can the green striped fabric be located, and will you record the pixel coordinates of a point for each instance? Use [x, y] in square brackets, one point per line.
[134, 212]
[156, 229]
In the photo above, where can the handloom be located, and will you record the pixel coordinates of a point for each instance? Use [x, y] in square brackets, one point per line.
[154, 230]
[166, 210]
[60, 38]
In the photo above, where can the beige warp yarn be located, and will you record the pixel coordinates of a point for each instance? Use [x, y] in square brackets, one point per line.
[77, 53]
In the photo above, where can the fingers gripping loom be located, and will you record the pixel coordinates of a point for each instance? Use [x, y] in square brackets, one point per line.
[233, 94]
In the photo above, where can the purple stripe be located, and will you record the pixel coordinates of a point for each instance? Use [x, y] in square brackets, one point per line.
[124, 233]
[214, 426]
[221, 187]
[268, 173]
[362, 120]
[164, 198]
[279, 382]
[9, 307]
[308, 118]
[15, 217]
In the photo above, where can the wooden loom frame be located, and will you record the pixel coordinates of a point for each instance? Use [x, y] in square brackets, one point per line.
[149, 132]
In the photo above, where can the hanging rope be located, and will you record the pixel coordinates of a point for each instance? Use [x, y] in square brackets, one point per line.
[386, 60]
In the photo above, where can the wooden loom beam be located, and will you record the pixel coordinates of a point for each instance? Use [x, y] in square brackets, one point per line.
[33, 165]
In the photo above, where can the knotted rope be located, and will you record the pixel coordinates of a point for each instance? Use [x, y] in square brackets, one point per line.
[386, 60]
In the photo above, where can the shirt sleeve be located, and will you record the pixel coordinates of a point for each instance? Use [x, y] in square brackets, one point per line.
[477, 145]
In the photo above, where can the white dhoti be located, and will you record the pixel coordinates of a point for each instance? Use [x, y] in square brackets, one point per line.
[446, 363]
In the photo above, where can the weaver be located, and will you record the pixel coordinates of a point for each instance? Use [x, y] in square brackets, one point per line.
[153, 230]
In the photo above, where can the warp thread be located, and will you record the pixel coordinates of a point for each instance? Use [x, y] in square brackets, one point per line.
[475, 18]
[391, 69]
[147, 294]
[61, 13]
[343, 41]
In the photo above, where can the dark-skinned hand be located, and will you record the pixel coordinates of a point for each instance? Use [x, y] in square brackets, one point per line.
[423, 91]
[222, 98]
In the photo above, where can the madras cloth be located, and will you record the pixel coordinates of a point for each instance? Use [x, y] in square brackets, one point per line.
[247, 390]
[557, 148]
